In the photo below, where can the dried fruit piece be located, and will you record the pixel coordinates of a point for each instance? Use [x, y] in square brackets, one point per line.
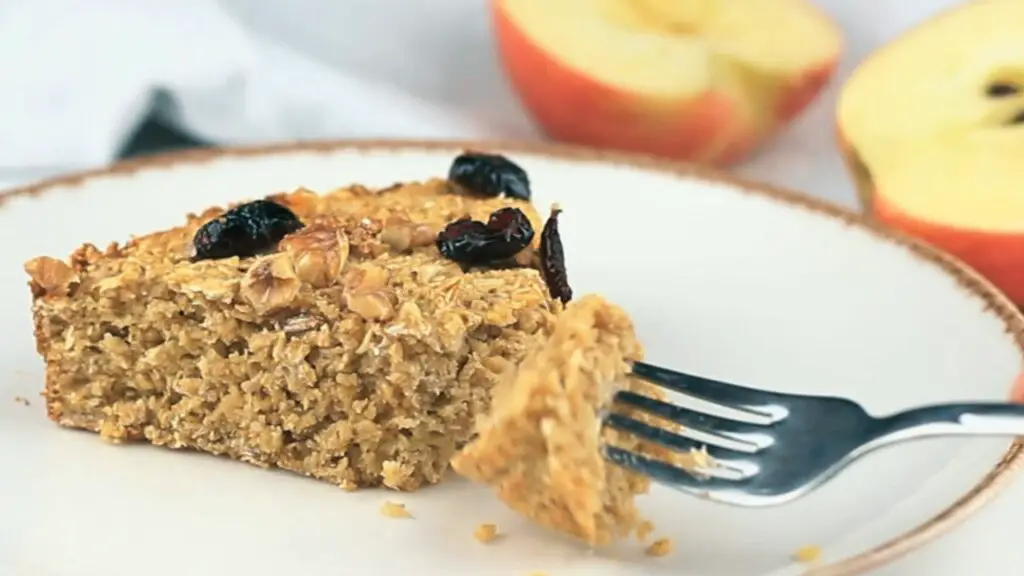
[244, 231]
[473, 243]
[1002, 90]
[489, 175]
[552, 259]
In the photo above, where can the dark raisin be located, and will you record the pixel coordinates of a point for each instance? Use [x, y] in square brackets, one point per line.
[475, 243]
[1001, 90]
[244, 231]
[552, 259]
[1017, 119]
[489, 175]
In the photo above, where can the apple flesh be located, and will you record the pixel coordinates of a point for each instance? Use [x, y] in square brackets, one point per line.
[935, 150]
[697, 80]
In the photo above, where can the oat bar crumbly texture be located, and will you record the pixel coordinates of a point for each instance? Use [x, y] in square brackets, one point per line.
[352, 353]
[540, 446]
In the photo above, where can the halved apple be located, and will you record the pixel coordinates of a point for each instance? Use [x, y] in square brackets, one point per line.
[932, 129]
[698, 80]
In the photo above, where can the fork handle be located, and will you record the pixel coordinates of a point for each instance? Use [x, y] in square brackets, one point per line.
[971, 419]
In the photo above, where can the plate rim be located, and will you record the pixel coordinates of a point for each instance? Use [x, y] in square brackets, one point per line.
[966, 278]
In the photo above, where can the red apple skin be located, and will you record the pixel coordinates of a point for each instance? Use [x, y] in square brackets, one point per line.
[998, 256]
[708, 128]
[792, 102]
[804, 91]
[1017, 393]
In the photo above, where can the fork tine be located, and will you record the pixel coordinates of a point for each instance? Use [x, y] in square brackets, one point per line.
[720, 454]
[745, 399]
[697, 421]
[711, 487]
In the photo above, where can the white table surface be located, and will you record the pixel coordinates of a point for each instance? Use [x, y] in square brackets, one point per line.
[429, 35]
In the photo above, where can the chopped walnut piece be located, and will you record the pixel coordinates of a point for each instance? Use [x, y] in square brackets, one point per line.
[395, 510]
[372, 305]
[660, 547]
[319, 252]
[365, 279]
[271, 283]
[301, 201]
[401, 235]
[85, 255]
[51, 276]
[364, 237]
[486, 533]
[397, 234]
[422, 235]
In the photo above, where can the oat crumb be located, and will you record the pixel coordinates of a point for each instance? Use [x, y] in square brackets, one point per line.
[22, 400]
[644, 529]
[486, 532]
[660, 547]
[394, 510]
[807, 554]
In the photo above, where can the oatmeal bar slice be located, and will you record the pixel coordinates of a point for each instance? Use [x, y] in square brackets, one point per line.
[540, 446]
[350, 351]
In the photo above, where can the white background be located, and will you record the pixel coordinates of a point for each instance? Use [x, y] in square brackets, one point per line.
[367, 68]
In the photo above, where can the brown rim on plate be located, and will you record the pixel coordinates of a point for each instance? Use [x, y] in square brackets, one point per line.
[967, 278]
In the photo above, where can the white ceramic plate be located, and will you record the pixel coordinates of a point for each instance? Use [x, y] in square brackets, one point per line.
[725, 279]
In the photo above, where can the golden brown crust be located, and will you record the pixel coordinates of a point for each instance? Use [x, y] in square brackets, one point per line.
[338, 355]
[540, 446]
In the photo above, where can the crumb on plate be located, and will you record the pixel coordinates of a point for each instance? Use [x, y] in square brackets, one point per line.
[644, 529]
[22, 400]
[660, 547]
[486, 532]
[700, 459]
[394, 510]
[807, 554]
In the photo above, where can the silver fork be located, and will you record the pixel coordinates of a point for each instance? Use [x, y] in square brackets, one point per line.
[791, 444]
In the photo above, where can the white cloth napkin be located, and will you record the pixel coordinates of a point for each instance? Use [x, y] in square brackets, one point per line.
[78, 76]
